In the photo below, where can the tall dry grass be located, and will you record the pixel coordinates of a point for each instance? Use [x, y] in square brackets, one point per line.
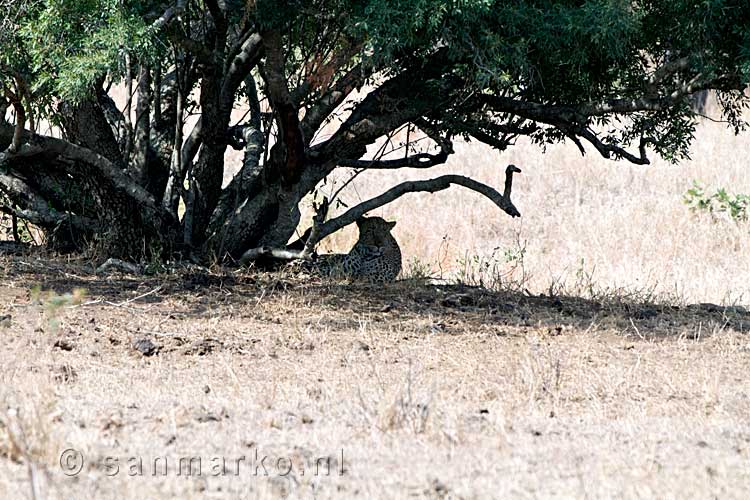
[585, 219]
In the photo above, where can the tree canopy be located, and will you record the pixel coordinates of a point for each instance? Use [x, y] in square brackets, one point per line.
[612, 76]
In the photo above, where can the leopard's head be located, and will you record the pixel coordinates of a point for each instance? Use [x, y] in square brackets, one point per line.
[374, 230]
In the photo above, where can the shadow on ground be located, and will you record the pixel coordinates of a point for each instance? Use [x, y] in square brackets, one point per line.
[202, 291]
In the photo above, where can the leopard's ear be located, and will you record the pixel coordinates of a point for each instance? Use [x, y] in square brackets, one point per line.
[392, 224]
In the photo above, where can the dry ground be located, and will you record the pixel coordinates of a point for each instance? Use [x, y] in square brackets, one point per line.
[408, 390]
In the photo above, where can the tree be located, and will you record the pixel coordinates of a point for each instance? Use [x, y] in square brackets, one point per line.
[614, 75]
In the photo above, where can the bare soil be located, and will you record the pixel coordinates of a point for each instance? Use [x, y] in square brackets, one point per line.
[237, 384]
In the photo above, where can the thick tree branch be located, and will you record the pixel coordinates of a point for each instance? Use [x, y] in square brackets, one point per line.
[659, 103]
[142, 128]
[399, 100]
[321, 68]
[579, 113]
[573, 120]
[195, 48]
[316, 114]
[114, 117]
[177, 163]
[248, 56]
[86, 124]
[420, 160]
[498, 135]
[169, 14]
[287, 113]
[248, 181]
[276, 253]
[36, 209]
[607, 149]
[44, 146]
[47, 219]
[432, 186]
[192, 144]
[3, 108]
[15, 101]
[668, 69]
[217, 14]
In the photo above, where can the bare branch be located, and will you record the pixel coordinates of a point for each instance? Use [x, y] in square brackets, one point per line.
[421, 160]
[432, 186]
[509, 171]
[321, 212]
[320, 231]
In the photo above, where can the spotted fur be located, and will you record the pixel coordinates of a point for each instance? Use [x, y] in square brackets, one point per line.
[375, 257]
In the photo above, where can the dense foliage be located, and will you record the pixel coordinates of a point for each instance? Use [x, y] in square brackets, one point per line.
[613, 75]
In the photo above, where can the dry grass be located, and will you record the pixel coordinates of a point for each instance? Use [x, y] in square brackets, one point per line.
[615, 389]
[426, 391]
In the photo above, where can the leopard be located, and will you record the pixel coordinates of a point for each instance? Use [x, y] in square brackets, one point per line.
[376, 257]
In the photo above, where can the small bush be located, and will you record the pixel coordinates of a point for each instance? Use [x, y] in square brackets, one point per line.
[718, 203]
[501, 270]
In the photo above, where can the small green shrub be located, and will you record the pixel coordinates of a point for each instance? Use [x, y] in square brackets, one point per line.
[501, 270]
[718, 203]
[53, 303]
[417, 270]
